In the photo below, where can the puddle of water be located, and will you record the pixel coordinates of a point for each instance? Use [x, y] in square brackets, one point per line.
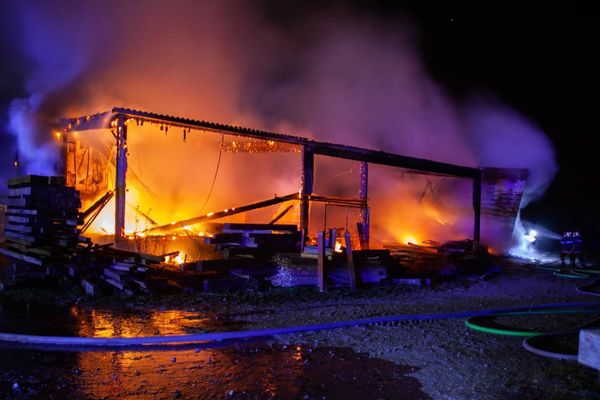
[243, 371]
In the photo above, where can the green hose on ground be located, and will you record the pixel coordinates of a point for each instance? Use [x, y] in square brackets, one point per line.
[481, 323]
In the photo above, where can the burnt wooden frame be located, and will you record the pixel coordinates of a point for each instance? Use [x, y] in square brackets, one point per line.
[119, 116]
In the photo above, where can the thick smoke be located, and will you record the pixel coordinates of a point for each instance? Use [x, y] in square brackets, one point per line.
[504, 138]
[183, 59]
[342, 78]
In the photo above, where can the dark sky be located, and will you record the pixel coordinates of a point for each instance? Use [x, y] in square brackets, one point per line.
[538, 59]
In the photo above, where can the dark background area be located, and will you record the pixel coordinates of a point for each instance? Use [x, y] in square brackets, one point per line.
[539, 59]
[13, 70]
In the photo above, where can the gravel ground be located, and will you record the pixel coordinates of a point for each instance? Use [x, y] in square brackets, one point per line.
[448, 360]
[453, 361]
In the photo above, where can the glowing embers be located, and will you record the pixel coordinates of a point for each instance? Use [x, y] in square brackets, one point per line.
[338, 247]
[410, 239]
[237, 145]
[177, 258]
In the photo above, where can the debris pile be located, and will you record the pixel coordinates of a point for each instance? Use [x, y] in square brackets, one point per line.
[256, 240]
[43, 226]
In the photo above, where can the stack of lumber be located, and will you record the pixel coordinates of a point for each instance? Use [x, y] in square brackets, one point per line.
[2, 221]
[41, 218]
[257, 240]
[415, 261]
[100, 267]
[43, 237]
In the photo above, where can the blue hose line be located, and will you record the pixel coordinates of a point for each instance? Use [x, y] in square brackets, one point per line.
[538, 344]
[124, 342]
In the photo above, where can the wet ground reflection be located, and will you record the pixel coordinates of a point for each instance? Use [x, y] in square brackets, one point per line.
[108, 322]
[256, 370]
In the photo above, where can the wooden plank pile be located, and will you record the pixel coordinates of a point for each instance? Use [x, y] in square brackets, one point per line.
[41, 218]
[43, 237]
[102, 267]
[233, 240]
[413, 256]
[2, 221]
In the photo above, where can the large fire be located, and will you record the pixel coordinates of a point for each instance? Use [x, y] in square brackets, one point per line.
[174, 174]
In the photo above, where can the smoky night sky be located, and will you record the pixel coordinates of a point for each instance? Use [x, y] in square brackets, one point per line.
[506, 81]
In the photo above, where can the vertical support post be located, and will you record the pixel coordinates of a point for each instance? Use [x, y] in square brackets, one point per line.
[476, 212]
[120, 182]
[350, 261]
[308, 166]
[302, 241]
[364, 211]
[63, 156]
[322, 260]
[332, 238]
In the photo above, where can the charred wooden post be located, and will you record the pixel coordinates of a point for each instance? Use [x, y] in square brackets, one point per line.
[322, 260]
[69, 163]
[120, 180]
[476, 212]
[364, 211]
[350, 261]
[62, 167]
[308, 166]
[332, 238]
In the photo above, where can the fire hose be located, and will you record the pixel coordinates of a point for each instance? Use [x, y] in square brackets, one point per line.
[206, 339]
[547, 344]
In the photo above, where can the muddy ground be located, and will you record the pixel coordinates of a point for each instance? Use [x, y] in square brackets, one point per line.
[437, 359]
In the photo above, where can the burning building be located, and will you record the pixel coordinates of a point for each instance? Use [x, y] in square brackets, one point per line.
[150, 178]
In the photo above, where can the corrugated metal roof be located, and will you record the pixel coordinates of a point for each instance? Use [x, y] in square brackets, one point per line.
[103, 120]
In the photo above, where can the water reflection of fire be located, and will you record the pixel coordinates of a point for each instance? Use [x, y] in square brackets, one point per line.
[144, 375]
[107, 323]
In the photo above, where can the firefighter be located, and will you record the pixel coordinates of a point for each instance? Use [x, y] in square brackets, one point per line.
[577, 252]
[571, 246]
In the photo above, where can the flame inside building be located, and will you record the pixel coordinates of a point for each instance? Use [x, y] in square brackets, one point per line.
[159, 180]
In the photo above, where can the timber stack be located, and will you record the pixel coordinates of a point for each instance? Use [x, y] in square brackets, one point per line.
[43, 238]
[233, 240]
[41, 217]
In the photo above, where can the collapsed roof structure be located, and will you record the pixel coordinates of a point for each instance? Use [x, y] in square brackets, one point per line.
[500, 201]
